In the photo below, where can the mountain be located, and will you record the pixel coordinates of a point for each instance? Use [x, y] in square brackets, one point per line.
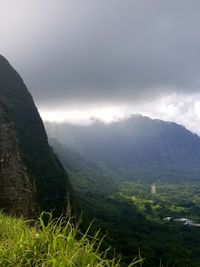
[85, 175]
[139, 178]
[32, 178]
[134, 143]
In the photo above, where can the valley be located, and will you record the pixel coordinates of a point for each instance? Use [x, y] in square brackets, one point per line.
[100, 133]
[148, 210]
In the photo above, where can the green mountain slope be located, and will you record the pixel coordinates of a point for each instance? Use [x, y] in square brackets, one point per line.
[122, 201]
[85, 175]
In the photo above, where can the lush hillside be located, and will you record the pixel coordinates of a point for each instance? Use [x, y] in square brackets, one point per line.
[139, 206]
[85, 175]
[31, 176]
[135, 218]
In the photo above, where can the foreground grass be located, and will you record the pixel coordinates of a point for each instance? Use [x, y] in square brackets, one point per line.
[56, 244]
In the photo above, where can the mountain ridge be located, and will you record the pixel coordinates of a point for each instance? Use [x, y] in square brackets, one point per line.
[132, 201]
[137, 141]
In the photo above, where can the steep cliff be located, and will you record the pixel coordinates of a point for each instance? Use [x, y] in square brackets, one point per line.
[31, 176]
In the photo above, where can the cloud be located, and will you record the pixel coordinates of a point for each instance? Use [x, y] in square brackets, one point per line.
[103, 50]
[95, 53]
[175, 107]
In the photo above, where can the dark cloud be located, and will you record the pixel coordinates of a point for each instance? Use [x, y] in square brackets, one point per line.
[97, 51]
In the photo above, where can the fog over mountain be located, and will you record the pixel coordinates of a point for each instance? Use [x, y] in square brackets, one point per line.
[136, 142]
[82, 57]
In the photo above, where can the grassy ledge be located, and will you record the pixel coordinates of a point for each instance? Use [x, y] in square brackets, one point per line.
[56, 244]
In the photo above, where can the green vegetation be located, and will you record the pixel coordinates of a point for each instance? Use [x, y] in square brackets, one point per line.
[56, 244]
[132, 217]
[113, 169]
[136, 219]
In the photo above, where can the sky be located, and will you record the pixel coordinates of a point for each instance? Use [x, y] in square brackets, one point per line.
[106, 58]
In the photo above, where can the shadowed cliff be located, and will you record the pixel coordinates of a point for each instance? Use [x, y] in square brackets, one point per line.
[31, 177]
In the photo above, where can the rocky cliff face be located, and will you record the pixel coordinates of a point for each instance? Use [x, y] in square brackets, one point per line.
[15, 191]
[31, 176]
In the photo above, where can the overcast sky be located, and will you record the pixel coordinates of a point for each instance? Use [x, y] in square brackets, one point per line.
[105, 58]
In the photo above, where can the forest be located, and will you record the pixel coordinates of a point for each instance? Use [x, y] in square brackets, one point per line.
[153, 213]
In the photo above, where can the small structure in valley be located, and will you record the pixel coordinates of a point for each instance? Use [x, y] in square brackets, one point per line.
[153, 189]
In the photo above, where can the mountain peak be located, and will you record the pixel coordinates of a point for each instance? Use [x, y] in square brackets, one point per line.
[3, 59]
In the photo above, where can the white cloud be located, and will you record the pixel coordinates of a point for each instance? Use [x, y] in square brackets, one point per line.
[197, 109]
[106, 59]
[86, 116]
[179, 108]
